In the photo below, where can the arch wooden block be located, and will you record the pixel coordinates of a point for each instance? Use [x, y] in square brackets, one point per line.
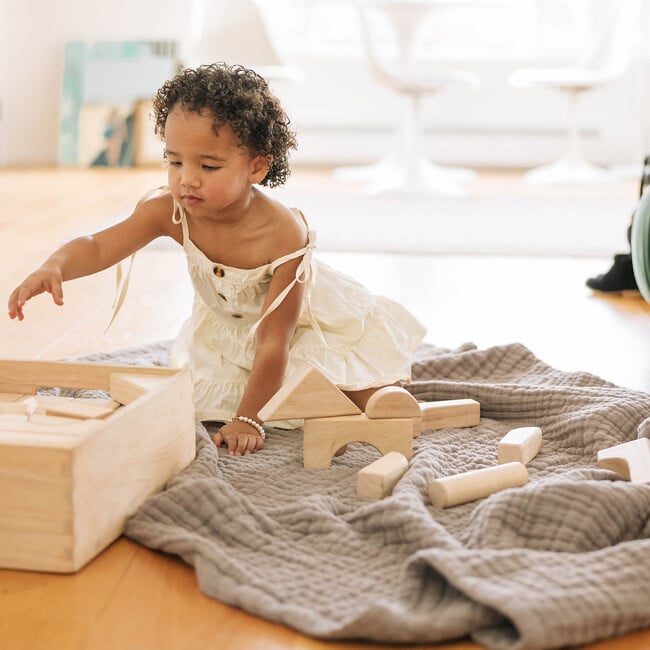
[630, 459]
[449, 414]
[323, 437]
[68, 485]
[476, 484]
[519, 445]
[307, 394]
[377, 480]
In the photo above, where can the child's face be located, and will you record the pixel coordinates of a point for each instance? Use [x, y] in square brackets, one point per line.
[208, 174]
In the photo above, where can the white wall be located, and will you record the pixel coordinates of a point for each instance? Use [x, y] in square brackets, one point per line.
[341, 112]
[32, 35]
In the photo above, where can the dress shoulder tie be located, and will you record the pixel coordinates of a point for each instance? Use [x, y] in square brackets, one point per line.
[121, 278]
[305, 274]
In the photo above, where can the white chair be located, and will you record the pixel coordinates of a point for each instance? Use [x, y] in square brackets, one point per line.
[607, 60]
[392, 32]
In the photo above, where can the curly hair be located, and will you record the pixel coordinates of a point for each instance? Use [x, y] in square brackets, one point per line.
[240, 98]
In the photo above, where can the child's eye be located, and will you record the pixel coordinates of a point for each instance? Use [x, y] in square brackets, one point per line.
[174, 163]
[209, 168]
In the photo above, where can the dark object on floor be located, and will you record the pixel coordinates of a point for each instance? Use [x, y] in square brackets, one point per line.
[618, 279]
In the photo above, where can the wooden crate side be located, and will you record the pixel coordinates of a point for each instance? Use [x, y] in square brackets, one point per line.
[36, 517]
[26, 376]
[135, 453]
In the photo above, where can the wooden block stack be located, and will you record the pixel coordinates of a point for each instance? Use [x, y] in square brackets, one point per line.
[73, 470]
[392, 418]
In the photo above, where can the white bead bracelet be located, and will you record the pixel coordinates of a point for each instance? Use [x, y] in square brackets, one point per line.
[257, 425]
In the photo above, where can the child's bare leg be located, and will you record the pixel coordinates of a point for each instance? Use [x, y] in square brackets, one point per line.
[361, 397]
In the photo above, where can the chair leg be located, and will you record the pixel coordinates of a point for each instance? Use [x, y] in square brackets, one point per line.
[572, 168]
[413, 173]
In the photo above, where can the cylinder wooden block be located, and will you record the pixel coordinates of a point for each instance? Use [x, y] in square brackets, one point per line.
[476, 484]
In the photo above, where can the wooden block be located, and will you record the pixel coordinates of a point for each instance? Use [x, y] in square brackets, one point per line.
[377, 480]
[74, 407]
[324, 436]
[126, 388]
[67, 486]
[40, 423]
[25, 407]
[449, 414]
[18, 376]
[12, 397]
[392, 402]
[519, 445]
[476, 484]
[307, 394]
[630, 459]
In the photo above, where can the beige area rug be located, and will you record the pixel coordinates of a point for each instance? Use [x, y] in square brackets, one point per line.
[519, 221]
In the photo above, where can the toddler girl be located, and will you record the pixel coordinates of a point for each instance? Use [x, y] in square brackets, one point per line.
[263, 305]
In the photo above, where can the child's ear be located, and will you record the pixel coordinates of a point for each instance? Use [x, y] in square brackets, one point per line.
[259, 168]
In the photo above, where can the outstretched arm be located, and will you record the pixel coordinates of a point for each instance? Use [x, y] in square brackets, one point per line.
[271, 355]
[87, 255]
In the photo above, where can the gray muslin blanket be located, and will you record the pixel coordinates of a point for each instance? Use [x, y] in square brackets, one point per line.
[562, 561]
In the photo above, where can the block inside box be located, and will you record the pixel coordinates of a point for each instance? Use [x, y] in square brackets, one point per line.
[68, 484]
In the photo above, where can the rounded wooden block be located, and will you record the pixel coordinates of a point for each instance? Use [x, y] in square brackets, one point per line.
[392, 402]
[476, 484]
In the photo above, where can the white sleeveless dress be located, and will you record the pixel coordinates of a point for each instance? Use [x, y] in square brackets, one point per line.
[356, 339]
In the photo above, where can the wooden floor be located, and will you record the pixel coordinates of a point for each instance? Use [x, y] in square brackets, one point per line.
[130, 597]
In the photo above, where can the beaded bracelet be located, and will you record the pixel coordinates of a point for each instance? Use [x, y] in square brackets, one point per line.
[257, 425]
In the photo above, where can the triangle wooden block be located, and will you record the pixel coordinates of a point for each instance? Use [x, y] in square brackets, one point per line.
[307, 394]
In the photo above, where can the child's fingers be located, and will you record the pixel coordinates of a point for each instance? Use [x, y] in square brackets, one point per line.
[238, 443]
[246, 443]
[217, 438]
[57, 292]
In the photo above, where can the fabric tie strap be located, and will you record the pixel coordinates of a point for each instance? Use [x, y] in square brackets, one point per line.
[121, 278]
[305, 274]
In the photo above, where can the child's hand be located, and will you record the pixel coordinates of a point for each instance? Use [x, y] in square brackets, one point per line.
[240, 438]
[38, 282]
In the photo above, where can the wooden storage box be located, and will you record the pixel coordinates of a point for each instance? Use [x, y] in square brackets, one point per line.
[68, 484]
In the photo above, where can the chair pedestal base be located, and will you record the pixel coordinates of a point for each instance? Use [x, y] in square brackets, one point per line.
[393, 174]
[567, 171]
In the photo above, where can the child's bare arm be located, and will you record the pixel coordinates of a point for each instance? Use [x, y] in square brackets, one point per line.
[272, 352]
[87, 255]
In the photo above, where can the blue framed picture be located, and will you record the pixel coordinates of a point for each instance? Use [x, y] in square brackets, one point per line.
[105, 85]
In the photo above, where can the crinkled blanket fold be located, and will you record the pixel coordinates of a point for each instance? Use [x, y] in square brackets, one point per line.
[561, 561]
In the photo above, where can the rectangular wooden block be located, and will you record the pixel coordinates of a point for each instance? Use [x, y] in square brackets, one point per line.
[377, 480]
[519, 445]
[450, 414]
[68, 485]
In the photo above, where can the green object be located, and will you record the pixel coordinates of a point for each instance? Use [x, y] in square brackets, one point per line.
[641, 245]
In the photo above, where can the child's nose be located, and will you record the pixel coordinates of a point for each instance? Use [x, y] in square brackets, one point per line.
[189, 178]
